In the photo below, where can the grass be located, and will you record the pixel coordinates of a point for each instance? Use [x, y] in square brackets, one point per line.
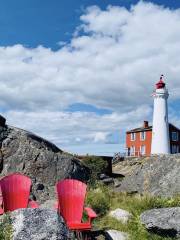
[103, 199]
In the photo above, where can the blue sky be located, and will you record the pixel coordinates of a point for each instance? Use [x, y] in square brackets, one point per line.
[45, 22]
[81, 73]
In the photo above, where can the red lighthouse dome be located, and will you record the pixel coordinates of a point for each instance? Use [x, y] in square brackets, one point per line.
[161, 83]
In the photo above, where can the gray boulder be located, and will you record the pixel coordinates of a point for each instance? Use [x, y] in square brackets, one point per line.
[155, 175]
[163, 221]
[38, 224]
[115, 235]
[108, 181]
[121, 215]
[42, 161]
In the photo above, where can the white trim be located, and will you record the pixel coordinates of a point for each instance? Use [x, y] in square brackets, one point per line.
[143, 139]
[133, 138]
[132, 150]
[143, 149]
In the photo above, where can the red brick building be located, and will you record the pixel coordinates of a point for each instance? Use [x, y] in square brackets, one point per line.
[138, 140]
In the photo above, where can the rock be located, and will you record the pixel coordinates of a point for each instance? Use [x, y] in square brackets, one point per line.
[156, 175]
[116, 235]
[38, 224]
[2, 121]
[108, 181]
[163, 221]
[121, 215]
[117, 183]
[42, 161]
[103, 176]
[49, 204]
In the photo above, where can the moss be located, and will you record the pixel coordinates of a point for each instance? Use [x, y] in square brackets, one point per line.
[6, 230]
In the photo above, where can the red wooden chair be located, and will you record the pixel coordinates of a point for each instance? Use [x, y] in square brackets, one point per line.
[15, 191]
[1, 203]
[71, 197]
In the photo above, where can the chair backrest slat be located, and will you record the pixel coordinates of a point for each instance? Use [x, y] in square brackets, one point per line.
[15, 191]
[71, 196]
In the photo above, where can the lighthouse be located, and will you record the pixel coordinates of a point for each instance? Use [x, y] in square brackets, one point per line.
[160, 131]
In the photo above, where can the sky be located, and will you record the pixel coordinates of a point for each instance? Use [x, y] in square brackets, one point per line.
[81, 73]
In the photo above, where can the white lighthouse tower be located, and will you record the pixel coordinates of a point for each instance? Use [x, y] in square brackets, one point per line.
[160, 133]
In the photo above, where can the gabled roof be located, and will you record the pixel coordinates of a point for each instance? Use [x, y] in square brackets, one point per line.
[149, 128]
[173, 126]
[141, 129]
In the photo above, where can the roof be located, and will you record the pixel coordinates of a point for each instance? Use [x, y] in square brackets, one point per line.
[141, 129]
[173, 126]
[161, 83]
[149, 128]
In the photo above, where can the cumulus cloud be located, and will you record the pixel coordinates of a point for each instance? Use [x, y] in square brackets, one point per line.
[78, 127]
[113, 62]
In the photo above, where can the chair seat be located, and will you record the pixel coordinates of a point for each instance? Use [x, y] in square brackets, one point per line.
[79, 226]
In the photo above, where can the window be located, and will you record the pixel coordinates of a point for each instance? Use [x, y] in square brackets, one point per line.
[175, 149]
[174, 136]
[143, 135]
[133, 136]
[132, 150]
[143, 150]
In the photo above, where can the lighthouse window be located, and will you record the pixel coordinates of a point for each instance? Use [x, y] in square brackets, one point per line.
[175, 136]
[143, 135]
[133, 136]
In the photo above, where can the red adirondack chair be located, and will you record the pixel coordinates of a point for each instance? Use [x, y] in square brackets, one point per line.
[15, 191]
[71, 196]
[1, 203]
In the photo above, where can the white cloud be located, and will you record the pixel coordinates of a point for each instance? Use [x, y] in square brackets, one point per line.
[72, 128]
[113, 62]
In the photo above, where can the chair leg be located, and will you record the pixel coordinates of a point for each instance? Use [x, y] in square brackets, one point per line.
[83, 235]
[79, 235]
[72, 235]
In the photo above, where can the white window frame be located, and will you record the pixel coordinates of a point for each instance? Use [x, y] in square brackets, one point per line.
[133, 136]
[144, 149]
[141, 134]
[175, 134]
[132, 150]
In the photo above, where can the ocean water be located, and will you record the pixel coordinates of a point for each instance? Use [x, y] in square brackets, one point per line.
[94, 149]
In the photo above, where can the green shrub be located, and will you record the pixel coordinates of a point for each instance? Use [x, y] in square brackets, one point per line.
[97, 166]
[99, 200]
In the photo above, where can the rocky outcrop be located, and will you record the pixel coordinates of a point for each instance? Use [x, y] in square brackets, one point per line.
[31, 224]
[155, 175]
[42, 161]
[163, 221]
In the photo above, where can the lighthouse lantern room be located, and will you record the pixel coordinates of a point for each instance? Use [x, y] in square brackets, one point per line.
[160, 132]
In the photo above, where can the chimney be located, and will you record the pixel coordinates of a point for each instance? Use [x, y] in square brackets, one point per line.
[146, 124]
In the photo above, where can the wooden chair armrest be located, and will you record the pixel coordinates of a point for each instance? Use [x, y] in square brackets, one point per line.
[91, 214]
